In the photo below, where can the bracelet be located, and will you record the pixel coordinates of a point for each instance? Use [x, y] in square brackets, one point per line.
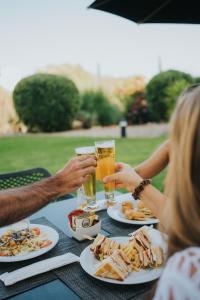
[140, 188]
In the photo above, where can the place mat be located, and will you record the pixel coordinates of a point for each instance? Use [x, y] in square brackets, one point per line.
[87, 287]
[73, 276]
[64, 245]
[116, 228]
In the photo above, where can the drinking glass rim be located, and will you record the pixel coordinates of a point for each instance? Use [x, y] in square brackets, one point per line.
[85, 152]
[98, 143]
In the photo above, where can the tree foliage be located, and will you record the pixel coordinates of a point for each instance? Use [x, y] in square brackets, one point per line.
[172, 94]
[136, 109]
[157, 92]
[101, 110]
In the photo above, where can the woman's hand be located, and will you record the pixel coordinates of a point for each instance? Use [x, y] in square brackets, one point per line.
[126, 177]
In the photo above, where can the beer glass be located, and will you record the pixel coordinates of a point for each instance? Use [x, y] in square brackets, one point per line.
[88, 190]
[105, 152]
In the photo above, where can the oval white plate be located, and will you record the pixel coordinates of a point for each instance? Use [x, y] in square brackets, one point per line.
[50, 234]
[89, 262]
[115, 212]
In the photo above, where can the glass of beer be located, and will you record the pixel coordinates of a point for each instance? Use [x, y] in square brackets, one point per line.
[105, 152]
[88, 190]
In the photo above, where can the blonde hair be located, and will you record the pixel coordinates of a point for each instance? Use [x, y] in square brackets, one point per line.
[183, 178]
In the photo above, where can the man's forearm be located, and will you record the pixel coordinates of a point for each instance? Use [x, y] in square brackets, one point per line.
[16, 204]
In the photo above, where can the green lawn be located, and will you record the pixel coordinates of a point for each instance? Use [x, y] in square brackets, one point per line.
[24, 152]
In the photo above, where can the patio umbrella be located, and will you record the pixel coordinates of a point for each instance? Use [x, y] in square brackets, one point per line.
[152, 11]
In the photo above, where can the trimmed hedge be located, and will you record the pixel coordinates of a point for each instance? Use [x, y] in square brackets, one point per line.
[46, 102]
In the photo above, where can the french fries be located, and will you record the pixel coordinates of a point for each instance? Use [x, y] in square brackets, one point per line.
[119, 260]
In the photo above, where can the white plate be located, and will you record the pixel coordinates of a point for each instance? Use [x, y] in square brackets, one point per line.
[89, 263]
[49, 233]
[115, 212]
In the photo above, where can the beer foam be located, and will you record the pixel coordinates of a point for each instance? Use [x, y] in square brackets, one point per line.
[105, 144]
[85, 150]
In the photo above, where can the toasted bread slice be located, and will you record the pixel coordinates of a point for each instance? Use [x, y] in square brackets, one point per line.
[152, 257]
[117, 266]
[109, 269]
[97, 242]
[124, 257]
[157, 256]
[142, 239]
[117, 257]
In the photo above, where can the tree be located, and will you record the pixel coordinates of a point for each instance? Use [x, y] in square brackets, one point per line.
[158, 95]
[136, 109]
[172, 94]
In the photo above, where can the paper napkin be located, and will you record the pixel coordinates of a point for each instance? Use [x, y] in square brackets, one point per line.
[38, 268]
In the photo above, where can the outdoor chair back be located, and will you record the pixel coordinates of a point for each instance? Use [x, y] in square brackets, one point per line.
[25, 177]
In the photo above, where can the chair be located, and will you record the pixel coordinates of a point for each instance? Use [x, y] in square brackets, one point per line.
[22, 178]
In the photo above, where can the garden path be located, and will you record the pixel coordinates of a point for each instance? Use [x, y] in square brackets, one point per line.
[146, 130]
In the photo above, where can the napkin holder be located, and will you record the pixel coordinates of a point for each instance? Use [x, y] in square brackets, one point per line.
[80, 232]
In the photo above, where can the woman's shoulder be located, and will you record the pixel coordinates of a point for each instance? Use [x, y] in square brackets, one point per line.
[181, 276]
[183, 258]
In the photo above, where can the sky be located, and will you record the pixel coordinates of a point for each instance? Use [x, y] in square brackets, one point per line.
[37, 33]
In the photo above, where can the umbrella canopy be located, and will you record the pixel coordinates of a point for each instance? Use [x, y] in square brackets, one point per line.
[152, 11]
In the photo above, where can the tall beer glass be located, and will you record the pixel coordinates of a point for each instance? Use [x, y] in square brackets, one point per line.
[88, 188]
[105, 152]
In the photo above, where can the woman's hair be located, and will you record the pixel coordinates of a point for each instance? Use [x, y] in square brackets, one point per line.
[183, 178]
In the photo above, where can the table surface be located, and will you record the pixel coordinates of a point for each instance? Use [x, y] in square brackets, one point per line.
[57, 214]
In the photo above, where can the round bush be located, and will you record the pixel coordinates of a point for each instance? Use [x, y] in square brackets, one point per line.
[46, 102]
[157, 93]
[98, 105]
[109, 115]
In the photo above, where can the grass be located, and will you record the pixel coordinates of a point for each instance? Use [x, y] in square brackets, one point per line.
[50, 152]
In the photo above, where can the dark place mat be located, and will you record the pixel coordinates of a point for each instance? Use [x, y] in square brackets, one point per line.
[72, 275]
[87, 287]
[64, 244]
[116, 228]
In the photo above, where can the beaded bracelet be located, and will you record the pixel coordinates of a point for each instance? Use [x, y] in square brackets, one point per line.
[140, 188]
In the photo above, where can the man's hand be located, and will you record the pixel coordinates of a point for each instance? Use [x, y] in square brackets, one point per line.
[126, 177]
[19, 203]
[75, 173]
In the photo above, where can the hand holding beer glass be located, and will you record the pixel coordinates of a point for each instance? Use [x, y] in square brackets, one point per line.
[88, 190]
[105, 152]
